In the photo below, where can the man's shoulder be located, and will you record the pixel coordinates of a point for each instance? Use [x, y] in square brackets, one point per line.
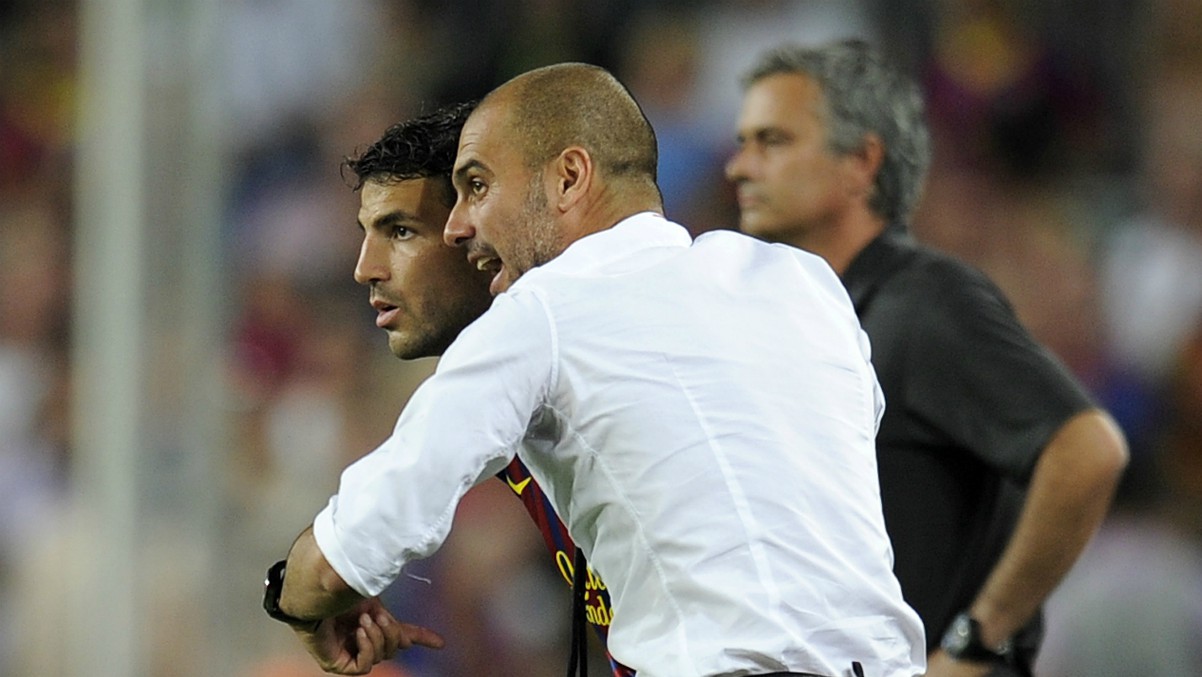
[739, 251]
[513, 319]
[924, 262]
[925, 276]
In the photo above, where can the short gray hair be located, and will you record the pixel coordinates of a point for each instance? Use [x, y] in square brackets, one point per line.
[864, 95]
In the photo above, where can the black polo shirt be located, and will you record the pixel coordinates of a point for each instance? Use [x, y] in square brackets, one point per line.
[970, 402]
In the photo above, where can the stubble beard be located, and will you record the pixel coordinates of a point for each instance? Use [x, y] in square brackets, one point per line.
[541, 243]
[432, 337]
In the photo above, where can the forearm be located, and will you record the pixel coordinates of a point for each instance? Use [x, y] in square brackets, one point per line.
[351, 633]
[312, 589]
[1068, 497]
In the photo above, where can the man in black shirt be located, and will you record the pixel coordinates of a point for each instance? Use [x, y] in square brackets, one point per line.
[996, 468]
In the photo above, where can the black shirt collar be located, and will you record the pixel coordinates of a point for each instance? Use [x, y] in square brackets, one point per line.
[875, 262]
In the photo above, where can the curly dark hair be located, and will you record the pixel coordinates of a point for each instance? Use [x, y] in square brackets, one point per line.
[422, 147]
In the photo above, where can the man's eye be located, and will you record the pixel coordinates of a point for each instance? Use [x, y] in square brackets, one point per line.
[476, 186]
[401, 232]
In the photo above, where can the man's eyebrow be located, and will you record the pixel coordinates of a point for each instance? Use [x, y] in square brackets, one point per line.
[766, 130]
[391, 219]
[466, 167]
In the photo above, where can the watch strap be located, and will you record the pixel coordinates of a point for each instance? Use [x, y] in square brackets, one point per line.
[272, 588]
[962, 641]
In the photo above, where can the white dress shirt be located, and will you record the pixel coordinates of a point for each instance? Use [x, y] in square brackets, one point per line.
[702, 416]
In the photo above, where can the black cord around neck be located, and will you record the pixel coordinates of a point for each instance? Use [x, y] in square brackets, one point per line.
[578, 661]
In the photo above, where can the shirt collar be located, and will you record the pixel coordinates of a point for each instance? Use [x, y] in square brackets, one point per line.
[874, 262]
[632, 234]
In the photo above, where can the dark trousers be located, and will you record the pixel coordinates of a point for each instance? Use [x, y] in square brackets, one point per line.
[855, 666]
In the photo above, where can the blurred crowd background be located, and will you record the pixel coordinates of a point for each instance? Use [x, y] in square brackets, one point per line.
[1068, 167]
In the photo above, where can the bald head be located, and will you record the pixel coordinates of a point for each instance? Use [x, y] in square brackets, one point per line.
[550, 157]
[575, 104]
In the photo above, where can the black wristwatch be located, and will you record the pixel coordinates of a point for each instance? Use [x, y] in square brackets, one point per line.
[272, 588]
[962, 641]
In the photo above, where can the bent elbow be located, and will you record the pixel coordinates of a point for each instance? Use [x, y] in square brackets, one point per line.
[1096, 440]
[1112, 449]
[1089, 450]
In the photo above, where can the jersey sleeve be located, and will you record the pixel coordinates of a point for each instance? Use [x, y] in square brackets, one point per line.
[975, 375]
[461, 426]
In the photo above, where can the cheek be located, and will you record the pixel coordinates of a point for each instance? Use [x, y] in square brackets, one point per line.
[485, 212]
[496, 218]
[812, 173]
[421, 268]
[785, 171]
[449, 274]
[780, 185]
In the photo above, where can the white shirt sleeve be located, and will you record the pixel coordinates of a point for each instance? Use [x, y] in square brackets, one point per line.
[462, 425]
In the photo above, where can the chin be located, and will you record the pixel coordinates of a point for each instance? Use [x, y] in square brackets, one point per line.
[399, 347]
[771, 232]
[751, 227]
[415, 348]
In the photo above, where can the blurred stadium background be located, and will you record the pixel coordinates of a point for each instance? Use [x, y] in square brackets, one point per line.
[186, 364]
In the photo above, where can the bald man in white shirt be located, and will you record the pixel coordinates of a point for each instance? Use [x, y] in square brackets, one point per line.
[701, 414]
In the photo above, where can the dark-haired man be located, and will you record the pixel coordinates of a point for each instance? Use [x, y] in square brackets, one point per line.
[833, 151]
[702, 427]
[425, 292]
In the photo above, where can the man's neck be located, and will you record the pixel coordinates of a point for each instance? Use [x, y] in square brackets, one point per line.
[841, 244]
[611, 210]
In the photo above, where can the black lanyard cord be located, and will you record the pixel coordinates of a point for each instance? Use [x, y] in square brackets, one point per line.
[579, 656]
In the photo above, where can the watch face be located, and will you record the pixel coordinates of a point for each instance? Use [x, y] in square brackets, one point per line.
[958, 636]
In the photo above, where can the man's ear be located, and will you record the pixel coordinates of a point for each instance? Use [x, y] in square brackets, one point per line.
[865, 162]
[573, 173]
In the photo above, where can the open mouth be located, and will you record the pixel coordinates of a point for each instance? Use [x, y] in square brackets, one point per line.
[748, 199]
[494, 265]
[385, 313]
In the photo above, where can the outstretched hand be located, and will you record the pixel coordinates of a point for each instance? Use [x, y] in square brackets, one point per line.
[355, 641]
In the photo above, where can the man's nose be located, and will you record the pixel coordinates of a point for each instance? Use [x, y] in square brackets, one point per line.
[457, 231]
[736, 166]
[370, 267]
